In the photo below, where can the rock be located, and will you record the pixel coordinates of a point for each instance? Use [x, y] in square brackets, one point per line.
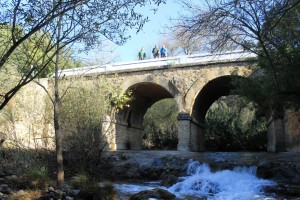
[124, 156]
[168, 180]
[2, 174]
[158, 162]
[296, 180]
[156, 193]
[284, 190]
[3, 196]
[282, 172]
[3, 180]
[104, 190]
[286, 172]
[11, 177]
[114, 158]
[5, 189]
[128, 170]
[2, 137]
[58, 194]
[51, 189]
[73, 192]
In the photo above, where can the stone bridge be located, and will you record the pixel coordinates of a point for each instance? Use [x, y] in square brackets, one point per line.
[194, 81]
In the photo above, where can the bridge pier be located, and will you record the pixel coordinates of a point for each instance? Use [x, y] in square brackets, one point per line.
[108, 132]
[128, 138]
[276, 131]
[276, 136]
[197, 136]
[119, 136]
[190, 134]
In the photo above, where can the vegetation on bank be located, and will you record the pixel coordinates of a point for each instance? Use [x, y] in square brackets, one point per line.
[232, 124]
[160, 125]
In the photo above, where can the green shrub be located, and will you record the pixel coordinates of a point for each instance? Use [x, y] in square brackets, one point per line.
[80, 180]
[234, 125]
[160, 125]
[39, 176]
[81, 115]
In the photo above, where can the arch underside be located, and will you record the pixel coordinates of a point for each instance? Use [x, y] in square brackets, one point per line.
[129, 133]
[144, 96]
[211, 92]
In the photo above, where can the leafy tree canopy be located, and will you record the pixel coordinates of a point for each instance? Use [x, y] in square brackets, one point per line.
[30, 27]
[268, 28]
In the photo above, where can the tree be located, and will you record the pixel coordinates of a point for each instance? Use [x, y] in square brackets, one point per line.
[233, 124]
[179, 42]
[268, 28]
[64, 22]
[30, 51]
[160, 125]
[84, 21]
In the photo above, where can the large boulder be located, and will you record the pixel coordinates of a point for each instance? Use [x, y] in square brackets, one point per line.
[156, 193]
[101, 191]
[168, 180]
[281, 172]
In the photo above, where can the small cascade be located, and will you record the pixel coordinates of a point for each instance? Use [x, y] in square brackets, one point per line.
[239, 183]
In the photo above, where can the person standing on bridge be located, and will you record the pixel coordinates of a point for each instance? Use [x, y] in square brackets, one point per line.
[163, 52]
[155, 52]
[142, 54]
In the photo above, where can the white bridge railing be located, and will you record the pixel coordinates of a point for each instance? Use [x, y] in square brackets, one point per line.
[158, 62]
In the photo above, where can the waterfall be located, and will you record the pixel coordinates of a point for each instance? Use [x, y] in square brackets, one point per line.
[239, 183]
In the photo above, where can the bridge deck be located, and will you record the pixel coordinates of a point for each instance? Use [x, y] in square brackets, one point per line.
[158, 62]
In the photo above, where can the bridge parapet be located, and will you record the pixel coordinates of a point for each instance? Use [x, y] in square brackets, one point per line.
[150, 63]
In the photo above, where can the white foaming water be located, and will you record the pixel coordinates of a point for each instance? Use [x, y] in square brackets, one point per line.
[133, 188]
[237, 184]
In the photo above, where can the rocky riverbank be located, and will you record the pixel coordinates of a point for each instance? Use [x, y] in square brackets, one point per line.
[167, 167]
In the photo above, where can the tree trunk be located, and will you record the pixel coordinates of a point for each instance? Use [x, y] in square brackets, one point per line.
[58, 142]
[58, 133]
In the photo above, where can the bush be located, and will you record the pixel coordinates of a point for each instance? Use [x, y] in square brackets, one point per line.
[39, 177]
[80, 180]
[160, 125]
[233, 125]
[25, 195]
[81, 114]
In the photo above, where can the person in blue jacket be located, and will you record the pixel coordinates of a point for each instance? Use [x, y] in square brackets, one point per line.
[163, 52]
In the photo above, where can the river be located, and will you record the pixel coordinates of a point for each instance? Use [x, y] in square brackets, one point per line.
[201, 182]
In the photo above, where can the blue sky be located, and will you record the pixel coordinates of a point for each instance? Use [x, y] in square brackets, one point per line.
[149, 36]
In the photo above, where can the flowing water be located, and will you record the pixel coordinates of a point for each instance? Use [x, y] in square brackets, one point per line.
[201, 183]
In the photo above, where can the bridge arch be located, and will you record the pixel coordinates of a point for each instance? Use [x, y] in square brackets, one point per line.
[208, 93]
[163, 82]
[129, 121]
[198, 85]
[212, 91]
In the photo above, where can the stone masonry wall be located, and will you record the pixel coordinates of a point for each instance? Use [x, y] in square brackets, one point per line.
[183, 77]
[25, 120]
